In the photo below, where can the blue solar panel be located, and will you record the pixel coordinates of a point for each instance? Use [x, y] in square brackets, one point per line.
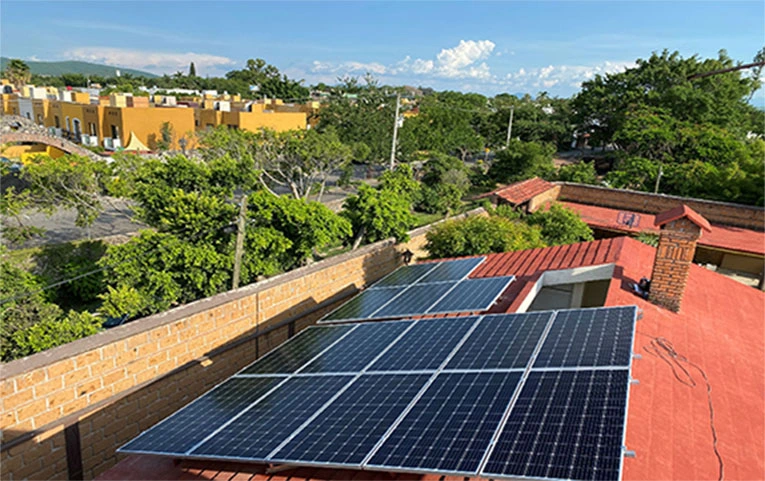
[181, 431]
[451, 270]
[289, 357]
[564, 425]
[589, 337]
[404, 276]
[363, 305]
[425, 346]
[351, 426]
[358, 348]
[270, 422]
[416, 300]
[450, 427]
[472, 295]
[503, 341]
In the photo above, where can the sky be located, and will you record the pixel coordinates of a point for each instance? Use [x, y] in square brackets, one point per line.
[486, 47]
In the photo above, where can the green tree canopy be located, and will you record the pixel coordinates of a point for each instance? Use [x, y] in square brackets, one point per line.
[481, 235]
[377, 214]
[522, 160]
[560, 225]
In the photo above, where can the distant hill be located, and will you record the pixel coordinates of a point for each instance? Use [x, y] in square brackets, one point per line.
[71, 66]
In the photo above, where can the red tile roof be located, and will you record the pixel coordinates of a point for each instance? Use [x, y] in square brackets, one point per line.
[679, 212]
[718, 335]
[720, 236]
[522, 191]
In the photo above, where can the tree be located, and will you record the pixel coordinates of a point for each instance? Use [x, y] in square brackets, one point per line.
[446, 123]
[477, 235]
[192, 70]
[444, 182]
[166, 136]
[17, 72]
[522, 160]
[560, 225]
[400, 182]
[541, 119]
[581, 172]
[377, 214]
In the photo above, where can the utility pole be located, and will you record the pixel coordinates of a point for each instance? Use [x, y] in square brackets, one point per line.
[658, 179]
[395, 133]
[510, 127]
[239, 242]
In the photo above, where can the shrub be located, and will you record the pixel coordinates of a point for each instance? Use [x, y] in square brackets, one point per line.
[481, 235]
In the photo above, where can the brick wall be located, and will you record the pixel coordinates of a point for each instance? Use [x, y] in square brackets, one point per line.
[101, 391]
[674, 255]
[750, 217]
[547, 196]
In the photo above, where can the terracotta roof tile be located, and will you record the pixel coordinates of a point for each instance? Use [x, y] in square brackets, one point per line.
[679, 212]
[522, 191]
[720, 236]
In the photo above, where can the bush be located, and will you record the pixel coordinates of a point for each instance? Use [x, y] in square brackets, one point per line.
[49, 333]
[581, 173]
[560, 225]
[67, 261]
[481, 235]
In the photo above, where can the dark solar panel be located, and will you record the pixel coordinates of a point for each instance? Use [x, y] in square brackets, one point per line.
[363, 305]
[266, 425]
[451, 270]
[181, 431]
[405, 275]
[289, 357]
[416, 300]
[425, 346]
[358, 348]
[503, 341]
[450, 427]
[565, 425]
[589, 337]
[472, 295]
[351, 426]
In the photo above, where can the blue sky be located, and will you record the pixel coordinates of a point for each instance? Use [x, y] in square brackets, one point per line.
[490, 47]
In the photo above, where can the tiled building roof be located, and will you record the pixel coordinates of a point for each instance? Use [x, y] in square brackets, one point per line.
[717, 336]
[522, 191]
[719, 236]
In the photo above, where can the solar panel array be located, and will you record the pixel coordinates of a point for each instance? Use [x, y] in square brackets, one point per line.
[433, 288]
[540, 395]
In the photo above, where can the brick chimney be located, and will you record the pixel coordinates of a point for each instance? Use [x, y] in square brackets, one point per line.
[680, 229]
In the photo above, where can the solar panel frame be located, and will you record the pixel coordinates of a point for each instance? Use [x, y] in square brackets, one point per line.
[463, 268]
[364, 405]
[626, 314]
[551, 402]
[248, 370]
[392, 292]
[503, 283]
[431, 426]
[386, 281]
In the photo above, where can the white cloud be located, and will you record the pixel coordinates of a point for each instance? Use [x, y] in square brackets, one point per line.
[557, 75]
[456, 63]
[152, 61]
[452, 61]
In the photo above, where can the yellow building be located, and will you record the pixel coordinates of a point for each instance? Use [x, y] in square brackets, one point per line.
[145, 123]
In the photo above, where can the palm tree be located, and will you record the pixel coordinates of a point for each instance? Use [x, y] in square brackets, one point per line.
[18, 72]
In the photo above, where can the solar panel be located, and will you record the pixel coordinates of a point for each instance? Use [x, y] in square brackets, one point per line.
[181, 431]
[351, 426]
[564, 425]
[358, 348]
[363, 305]
[262, 428]
[472, 295]
[404, 276]
[414, 301]
[589, 337]
[425, 346]
[451, 270]
[503, 341]
[450, 427]
[289, 357]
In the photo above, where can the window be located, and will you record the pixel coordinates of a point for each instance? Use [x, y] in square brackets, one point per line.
[58, 122]
[92, 128]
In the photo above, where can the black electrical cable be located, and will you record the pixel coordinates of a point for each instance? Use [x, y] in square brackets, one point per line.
[665, 350]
